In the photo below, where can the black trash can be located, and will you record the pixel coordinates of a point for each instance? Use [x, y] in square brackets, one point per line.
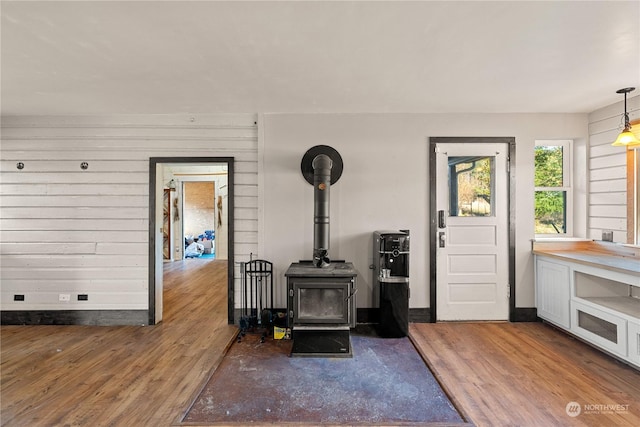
[394, 309]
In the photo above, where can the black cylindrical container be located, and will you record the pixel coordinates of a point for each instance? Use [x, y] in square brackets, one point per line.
[391, 282]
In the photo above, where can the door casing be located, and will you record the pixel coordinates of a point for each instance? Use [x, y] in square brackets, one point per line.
[153, 162]
[433, 226]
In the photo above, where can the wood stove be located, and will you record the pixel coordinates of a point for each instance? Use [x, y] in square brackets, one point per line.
[321, 294]
[322, 307]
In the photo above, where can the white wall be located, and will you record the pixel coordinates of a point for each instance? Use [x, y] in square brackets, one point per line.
[70, 231]
[385, 185]
[65, 230]
[608, 171]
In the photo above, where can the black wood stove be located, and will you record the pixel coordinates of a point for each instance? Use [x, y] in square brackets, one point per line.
[322, 308]
[321, 293]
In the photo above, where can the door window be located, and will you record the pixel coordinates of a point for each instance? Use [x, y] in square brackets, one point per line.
[471, 186]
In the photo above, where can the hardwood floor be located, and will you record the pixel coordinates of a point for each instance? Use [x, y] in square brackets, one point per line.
[499, 374]
[525, 374]
[120, 376]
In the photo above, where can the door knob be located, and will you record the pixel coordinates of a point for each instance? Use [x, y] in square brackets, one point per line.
[441, 239]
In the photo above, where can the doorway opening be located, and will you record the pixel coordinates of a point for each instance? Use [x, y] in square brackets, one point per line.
[202, 227]
[212, 223]
[472, 228]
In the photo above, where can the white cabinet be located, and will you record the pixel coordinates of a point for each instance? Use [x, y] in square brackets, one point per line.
[634, 342]
[597, 304]
[600, 327]
[553, 292]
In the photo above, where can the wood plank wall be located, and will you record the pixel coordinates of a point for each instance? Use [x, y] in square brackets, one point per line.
[69, 230]
[608, 171]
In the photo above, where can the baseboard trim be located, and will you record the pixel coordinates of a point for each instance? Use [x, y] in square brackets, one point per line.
[526, 314]
[368, 315]
[75, 317]
[372, 315]
[238, 313]
[423, 315]
[420, 315]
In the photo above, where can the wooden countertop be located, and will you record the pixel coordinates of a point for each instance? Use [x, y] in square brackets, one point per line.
[610, 256]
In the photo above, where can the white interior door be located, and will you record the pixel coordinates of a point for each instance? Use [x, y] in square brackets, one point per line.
[472, 255]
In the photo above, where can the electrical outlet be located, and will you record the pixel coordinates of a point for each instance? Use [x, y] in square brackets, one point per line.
[607, 236]
[18, 297]
[64, 297]
[83, 297]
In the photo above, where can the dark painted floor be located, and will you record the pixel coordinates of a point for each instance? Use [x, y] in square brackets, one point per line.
[385, 382]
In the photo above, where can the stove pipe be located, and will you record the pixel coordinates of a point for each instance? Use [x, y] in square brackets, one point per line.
[321, 165]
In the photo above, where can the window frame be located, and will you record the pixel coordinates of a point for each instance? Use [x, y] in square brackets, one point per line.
[633, 196]
[633, 189]
[567, 181]
[634, 208]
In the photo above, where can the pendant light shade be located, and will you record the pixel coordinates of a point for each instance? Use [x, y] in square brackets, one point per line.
[626, 137]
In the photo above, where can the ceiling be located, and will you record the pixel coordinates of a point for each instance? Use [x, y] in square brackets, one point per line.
[174, 57]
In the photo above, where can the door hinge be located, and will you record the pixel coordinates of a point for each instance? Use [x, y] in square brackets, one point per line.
[508, 291]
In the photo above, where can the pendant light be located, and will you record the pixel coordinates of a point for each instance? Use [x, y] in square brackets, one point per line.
[626, 138]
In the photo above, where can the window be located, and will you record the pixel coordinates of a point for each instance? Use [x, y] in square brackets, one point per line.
[633, 190]
[633, 196]
[471, 186]
[552, 181]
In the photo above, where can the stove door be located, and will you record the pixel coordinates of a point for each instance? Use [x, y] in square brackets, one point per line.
[317, 301]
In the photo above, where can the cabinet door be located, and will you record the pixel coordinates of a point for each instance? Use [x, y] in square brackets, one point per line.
[634, 342]
[600, 327]
[553, 292]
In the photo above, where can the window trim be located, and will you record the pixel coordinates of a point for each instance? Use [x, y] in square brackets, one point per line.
[567, 183]
[633, 190]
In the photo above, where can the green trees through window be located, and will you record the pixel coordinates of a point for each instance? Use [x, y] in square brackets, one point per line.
[550, 192]
[470, 186]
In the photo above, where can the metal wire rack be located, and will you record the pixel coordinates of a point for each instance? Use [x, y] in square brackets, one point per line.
[256, 296]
